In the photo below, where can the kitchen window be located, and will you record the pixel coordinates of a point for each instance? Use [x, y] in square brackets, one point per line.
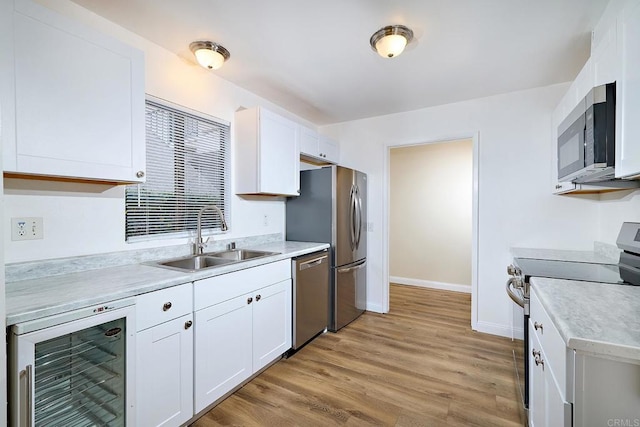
[187, 168]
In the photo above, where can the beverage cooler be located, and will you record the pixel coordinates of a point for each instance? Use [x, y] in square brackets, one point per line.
[74, 369]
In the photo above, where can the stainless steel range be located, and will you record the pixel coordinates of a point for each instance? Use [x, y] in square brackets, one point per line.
[626, 272]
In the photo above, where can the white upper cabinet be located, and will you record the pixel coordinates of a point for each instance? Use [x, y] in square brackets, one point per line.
[309, 140]
[267, 153]
[604, 58]
[615, 57]
[72, 99]
[318, 148]
[628, 93]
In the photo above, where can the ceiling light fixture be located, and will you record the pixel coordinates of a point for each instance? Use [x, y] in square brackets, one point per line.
[391, 40]
[209, 54]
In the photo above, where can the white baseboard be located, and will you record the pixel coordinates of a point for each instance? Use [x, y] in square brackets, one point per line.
[498, 329]
[375, 307]
[431, 284]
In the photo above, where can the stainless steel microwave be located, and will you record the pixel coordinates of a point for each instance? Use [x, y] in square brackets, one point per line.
[586, 138]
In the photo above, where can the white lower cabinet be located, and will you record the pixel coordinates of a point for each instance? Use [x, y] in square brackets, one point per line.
[547, 408]
[164, 373]
[607, 391]
[197, 342]
[569, 387]
[164, 357]
[222, 349]
[242, 324]
[271, 323]
[550, 372]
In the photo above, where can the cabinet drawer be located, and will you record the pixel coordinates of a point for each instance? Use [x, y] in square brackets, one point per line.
[157, 307]
[214, 290]
[551, 342]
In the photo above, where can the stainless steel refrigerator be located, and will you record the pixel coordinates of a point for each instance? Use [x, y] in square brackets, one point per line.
[332, 208]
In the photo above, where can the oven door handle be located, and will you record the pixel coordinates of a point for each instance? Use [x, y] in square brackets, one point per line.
[514, 297]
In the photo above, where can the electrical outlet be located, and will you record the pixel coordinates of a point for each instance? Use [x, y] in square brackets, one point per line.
[265, 221]
[26, 228]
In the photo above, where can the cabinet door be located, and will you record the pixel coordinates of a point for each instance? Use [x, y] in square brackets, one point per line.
[309, 140]
[605, 57]
[628, 93]
[537, 408]
[222, 349]
[279, 155]
[164, 373]
[606, 389]
[271, 323]
[79, 100]
[328, 149]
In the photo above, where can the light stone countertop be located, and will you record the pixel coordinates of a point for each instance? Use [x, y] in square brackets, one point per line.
[593, 317]
[37, 298]
[594, 257]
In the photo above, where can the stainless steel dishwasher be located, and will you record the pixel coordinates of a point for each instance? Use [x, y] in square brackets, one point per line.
[310, 306]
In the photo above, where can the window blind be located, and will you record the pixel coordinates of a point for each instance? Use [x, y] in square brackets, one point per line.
[187, 168]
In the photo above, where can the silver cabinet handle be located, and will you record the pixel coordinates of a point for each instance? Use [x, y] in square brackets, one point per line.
[258, 297]
[537, 326]
[249, 300]
[188, 324]
[539, 362]
[140, 174]
[167, 306]
[535, 353]
[28, 374]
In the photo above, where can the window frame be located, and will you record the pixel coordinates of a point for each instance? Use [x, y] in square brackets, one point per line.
[189, 232]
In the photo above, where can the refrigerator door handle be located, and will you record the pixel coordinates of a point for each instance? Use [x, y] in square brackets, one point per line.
[355, 267]
[353, 207]
[359, 205]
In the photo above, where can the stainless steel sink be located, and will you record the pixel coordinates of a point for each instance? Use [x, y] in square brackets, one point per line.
[240, 254]
[212, 259]
[194, 262]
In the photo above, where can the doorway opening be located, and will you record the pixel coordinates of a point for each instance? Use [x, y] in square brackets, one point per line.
[431, 221]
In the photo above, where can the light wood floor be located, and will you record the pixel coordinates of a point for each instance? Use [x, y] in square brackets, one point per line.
[418, 365]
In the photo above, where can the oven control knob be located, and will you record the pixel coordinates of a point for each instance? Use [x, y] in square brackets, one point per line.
[518, 283]
[511, 270]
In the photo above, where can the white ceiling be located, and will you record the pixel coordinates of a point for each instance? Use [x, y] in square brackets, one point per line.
[313, 57]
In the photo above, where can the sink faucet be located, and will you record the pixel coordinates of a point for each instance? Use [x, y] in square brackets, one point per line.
[198, 246]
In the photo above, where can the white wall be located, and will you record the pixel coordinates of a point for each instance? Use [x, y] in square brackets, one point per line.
[614, 209]
[4, 10]
[81, 219]
[515, 205]
[430, 214]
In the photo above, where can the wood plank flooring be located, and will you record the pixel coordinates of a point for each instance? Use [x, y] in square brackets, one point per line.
[418, 365]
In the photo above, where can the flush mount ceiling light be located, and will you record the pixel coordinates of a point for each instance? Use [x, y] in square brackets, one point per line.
[391, 40]
[209, 54]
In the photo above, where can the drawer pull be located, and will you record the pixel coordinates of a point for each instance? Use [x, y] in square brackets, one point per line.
[535, 353]
[188, 324]
[249, 300]
[539, 361]
[258, 297]
[166, 306]
[537, 326]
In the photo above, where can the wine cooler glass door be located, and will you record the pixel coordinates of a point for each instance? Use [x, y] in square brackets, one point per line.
[75, 374]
